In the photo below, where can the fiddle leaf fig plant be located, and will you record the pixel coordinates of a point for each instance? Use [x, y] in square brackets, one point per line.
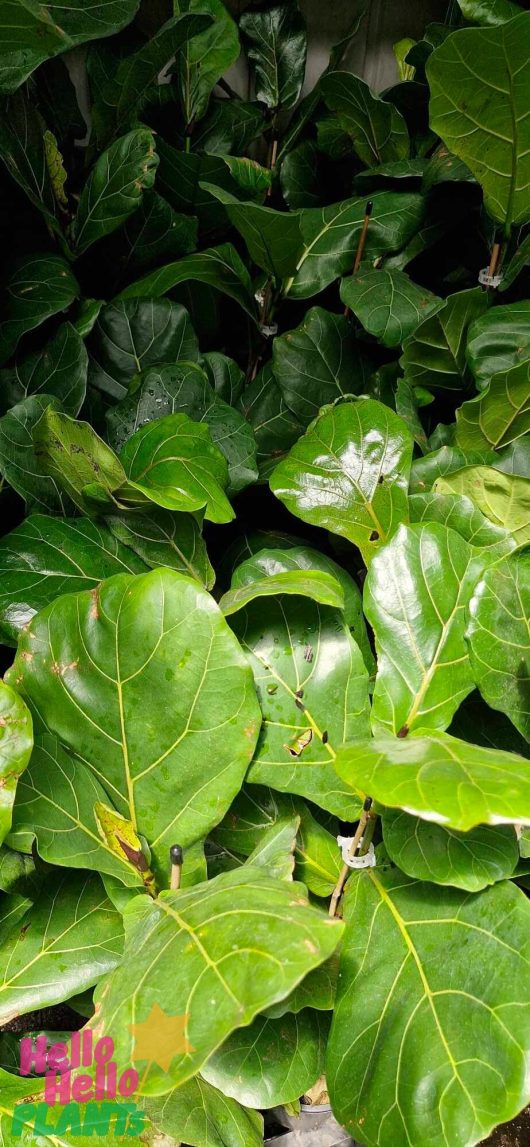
[264, 576]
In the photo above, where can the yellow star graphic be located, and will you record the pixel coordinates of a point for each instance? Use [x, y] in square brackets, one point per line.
[160, 1038]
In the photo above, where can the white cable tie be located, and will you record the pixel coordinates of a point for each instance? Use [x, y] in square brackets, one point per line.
[487, 280]
[366, 861]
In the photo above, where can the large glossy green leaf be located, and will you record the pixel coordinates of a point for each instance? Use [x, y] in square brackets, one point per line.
[500, 414]
[45, 557]
[271, 1062]
[24, 153]
[212, 992]
[330, 236]
[429, 996]
[266, 563]
[469, 860]
[318, 362]
[60, 805]
[388, 304]
[162, 538]
[498, 340]
[377, 129]
[217, 267]
[459, 513]
[415, 597]
[349, 473]
[133, 334]
[184, 389]
[226, 377]
[440, 778]
[503, 498]
[499, 640]
[205, 57]
[144, 681]
[202, 1116]
[276, 48]
[313, 689]
[41, 286]
[33, 33]
[115, 187]
[174, 462]
[320, 587]
[16, 742]
[69, 938]
[479, 99]
[75, 456]
[59, 370]
[435, 354]
[18, 460]
[273, 238]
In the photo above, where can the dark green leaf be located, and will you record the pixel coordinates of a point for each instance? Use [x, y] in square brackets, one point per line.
[498, 340]
[225, 376]
[479, 101]
[440, 778]
[60, 370]
[276, 48]
[73, 455]
[442, 463]
[174, 462]
[161, 538]
[153, 234]
[349, 473]
[219, 267]
[488, 12]
[318, 362]
[229, 128]
[204, 1117]
[426, 998]
[33, 33]
[46, 557]
[498, 637]
[376, 128]
[41, 286]
[23, 151]
[144, 681]
[517, 263]
[388, 304]
[470, 860]
[415, 597]
[273, 238]
[331, 234]
[232, 908]
[275, 426]
[300, 178]
[407, 406]
[18, 460]
[131, 335]
[272, 1061]
[115, 187]
[313, 689]
[435, 354]
[205, 57]
[58, 806]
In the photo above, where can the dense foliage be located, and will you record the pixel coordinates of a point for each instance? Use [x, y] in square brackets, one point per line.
[263, 573]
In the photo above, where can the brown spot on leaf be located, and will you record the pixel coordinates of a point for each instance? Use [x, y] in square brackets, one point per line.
[374, 536]
[403, 732]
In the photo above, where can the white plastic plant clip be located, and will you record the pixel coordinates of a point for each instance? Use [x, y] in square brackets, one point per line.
[487, 280]
[366, 861]
[269, 330]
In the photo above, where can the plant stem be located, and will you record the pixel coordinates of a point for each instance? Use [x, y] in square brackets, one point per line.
[364, 833]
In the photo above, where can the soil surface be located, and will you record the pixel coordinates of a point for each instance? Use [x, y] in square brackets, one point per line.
[514, 1134]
